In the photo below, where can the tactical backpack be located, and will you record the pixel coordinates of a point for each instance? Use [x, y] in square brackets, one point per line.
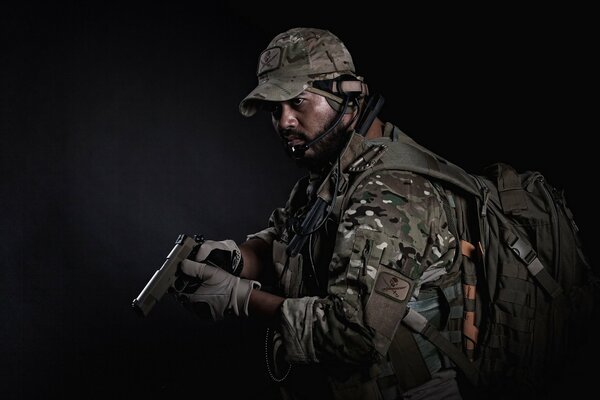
[528, 290]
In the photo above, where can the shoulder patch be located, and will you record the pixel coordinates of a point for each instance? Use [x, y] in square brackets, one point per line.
[386, 305]
[396, 287]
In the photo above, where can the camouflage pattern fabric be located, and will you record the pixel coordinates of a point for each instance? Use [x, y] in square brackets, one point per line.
[292, 61]
[393, 220]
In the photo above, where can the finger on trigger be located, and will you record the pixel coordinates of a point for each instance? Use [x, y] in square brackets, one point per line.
[192, 268]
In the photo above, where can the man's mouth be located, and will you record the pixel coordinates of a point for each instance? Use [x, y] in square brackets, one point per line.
[294, 141]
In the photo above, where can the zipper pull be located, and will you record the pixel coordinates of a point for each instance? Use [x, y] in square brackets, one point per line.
[486, 198]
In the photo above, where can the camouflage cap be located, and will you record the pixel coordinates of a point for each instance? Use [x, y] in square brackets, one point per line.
[292, 61]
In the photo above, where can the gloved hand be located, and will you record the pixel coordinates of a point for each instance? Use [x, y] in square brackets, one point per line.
[203, 284]
[224, 254]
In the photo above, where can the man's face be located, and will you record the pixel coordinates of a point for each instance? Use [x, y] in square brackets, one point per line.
[304, 118]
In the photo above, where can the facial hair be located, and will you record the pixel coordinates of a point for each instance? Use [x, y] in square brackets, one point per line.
[325, 151]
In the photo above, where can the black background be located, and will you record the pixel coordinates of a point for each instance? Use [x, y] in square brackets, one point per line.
[120, 130]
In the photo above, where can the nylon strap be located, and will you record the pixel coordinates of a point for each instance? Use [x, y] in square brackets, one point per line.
[419, 324]
[510, 190]
[468, 250]
[409, 366]
[525, 252]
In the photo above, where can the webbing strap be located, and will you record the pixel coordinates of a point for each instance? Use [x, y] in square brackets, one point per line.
[510, 190]
[506, 344]
[468, 250]
[419, 324]
[409, 366]
[525, 252]
[520, 297]
[407, 155]
[515, 323]
[544, 278]
[470, 330]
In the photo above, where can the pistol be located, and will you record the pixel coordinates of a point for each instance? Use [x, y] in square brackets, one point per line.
[164, 277]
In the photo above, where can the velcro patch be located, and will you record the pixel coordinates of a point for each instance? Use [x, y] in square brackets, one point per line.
[269, 60]
[393, 286]
[387, 304]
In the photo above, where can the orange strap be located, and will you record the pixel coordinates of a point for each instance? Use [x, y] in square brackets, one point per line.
[470, 331]
[467, 249]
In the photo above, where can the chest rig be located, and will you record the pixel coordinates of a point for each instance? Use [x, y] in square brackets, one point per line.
[313, 214]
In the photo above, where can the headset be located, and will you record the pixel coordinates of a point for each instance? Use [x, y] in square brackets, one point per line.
[350, 88]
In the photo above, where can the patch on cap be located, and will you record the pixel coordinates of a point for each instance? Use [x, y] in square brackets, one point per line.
[292, 61]
[269, 60]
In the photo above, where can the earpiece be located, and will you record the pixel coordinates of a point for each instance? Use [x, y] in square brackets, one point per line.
[336, 90]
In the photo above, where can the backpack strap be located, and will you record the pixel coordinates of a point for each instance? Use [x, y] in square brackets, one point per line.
[527, 254]
[419, 324]
[510, 189]
[409, 367]
[523, 249]
[405, 154]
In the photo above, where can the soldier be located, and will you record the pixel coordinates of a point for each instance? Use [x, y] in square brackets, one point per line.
[354, 247]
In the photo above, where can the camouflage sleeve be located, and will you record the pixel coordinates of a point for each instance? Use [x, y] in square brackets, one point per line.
[394, 220]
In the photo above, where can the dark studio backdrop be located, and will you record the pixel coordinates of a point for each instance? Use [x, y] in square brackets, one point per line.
[120, 130]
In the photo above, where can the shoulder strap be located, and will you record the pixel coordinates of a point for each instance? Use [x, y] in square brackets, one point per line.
[419, 324]
[404, 153]
[397, 151]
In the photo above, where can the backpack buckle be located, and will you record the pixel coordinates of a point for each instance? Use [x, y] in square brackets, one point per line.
[522, 249]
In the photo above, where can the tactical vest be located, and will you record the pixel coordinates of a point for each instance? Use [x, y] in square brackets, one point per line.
[448, 309]
[411, 359]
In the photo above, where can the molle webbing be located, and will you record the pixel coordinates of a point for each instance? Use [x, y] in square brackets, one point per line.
[419, 324]
[469, 255]
[469, 330]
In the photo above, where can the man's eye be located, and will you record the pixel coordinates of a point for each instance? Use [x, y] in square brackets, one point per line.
[274, 108]
[297, 101]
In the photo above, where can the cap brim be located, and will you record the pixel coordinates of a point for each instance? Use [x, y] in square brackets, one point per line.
[271, 90]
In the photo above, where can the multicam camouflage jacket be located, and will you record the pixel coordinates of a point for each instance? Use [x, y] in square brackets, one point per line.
[386, 243]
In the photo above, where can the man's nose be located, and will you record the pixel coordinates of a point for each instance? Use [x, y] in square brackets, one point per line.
[287, 119]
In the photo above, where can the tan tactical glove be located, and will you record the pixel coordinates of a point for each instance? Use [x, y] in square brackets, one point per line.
[224, 293]
[224, 254]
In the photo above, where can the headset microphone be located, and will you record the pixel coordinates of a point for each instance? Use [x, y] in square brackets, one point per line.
[298, 150]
